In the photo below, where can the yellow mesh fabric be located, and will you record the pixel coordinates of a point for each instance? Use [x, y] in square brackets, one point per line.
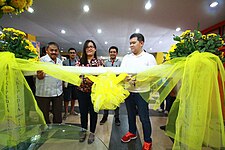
[18, 107]
[107, 91]
[199, 119]
[161, 79]
[195, 119]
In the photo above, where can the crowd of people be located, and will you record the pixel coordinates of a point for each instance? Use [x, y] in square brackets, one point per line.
[50, 92]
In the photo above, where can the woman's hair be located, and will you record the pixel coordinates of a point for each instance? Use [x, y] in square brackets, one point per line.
[84, 60]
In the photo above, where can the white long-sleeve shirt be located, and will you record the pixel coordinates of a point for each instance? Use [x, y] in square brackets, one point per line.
[49, 86]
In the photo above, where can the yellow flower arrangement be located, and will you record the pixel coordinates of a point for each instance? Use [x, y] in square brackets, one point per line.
[189, 41]
[15, 41]
[14, 6]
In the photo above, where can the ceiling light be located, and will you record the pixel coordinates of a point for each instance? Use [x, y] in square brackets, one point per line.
[63, 31]
[178, 29]
[30, 10]
[148, 5]
[86, 8]
[61, 51]
[160, 42]
[150, 49]
[80, 43]
[214, 4]
[137, 30]
[106, 42]
[99, 31]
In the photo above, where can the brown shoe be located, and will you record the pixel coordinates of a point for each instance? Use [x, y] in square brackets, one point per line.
[91, 138]
[82, 136]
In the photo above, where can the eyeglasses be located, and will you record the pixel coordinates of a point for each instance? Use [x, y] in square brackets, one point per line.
[72, 52]
[90, 47]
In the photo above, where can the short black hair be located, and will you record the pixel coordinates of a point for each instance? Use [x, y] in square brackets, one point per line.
[113, 47]
[52, 43]
[139, 37]
[72, 49]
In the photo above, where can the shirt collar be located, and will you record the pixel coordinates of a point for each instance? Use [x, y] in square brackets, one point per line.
[114, 61]
[48, 58]
[139, 55]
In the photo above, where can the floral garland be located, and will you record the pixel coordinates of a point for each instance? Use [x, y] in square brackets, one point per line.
[14, 41]
[189, 41]
[14, 6]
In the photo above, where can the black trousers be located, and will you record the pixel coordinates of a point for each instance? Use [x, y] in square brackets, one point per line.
[116, 115]
[44, 105]
[85, 106]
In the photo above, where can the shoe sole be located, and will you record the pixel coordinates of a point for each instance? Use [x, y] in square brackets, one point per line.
[133, 138]
[101, 123]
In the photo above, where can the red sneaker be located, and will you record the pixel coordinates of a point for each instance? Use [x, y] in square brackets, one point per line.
[147, 146]
[128, 136]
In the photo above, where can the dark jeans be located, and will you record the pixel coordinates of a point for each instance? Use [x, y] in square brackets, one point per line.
[86, 105]
[133, 101]
[44, 105]
[116, 115]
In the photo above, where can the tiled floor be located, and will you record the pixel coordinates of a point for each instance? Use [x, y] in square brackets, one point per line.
[111, 134]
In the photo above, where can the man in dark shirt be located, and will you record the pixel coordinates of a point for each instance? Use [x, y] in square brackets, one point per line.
[70, 91]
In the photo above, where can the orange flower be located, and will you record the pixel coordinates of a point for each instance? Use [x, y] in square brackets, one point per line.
[20, 4]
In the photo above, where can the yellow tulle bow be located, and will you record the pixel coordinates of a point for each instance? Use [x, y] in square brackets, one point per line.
[107, 91]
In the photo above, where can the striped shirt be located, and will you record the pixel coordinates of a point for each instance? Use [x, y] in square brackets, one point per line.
[49, 86]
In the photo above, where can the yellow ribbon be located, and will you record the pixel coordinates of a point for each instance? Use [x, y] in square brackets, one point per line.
[195, 118]
[107, 91]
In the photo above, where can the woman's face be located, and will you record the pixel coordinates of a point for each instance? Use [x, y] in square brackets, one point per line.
[90, 50]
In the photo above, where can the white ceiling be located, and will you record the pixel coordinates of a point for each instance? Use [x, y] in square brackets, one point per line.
[118, 19]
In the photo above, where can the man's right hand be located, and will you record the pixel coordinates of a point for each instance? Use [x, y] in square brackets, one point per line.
[40, 75]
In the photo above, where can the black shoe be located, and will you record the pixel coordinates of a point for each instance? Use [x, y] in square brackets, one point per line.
[65, 116]
[104, 119]
[91, 138]
[82, 136]
[117, 121]
[163, 127]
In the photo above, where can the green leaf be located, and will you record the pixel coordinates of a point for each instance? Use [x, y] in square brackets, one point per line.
[32, 55]
[176, 38]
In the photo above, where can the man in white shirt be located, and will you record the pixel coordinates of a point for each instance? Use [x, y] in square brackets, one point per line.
[139, 58]
[49, 89]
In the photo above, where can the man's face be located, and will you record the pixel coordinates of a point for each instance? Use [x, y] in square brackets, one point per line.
[112, 53]
[52, 51]
[72, 54]
[135, 45]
